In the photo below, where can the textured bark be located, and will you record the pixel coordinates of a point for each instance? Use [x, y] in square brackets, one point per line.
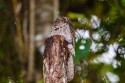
[55, 60]
[31, 64]
[63, 26]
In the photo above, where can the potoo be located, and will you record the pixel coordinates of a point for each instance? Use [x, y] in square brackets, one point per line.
[58, 64]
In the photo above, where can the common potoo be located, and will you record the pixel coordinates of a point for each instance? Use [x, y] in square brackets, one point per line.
[59, 51]
[63, 26]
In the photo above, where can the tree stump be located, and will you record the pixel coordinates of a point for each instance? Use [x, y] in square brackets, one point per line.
[56, 56]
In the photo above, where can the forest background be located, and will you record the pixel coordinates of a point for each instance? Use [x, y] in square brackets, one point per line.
[99, 47]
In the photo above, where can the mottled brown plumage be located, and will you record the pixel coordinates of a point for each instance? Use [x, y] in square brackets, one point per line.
[59, 50]
[63, 26]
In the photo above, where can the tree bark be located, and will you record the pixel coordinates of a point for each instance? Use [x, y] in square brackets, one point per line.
[55, 60]
[31, 42]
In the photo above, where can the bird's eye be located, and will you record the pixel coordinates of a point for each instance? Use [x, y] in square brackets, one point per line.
[56, 28]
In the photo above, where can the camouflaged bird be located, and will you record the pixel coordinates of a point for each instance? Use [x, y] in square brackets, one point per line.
[63, 26]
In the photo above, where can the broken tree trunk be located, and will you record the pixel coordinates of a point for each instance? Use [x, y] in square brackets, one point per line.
[55, 60]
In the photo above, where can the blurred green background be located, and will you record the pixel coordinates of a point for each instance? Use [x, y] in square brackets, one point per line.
[99, 30]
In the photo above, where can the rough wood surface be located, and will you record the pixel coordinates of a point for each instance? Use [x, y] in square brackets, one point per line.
[59, 50]
[63, 26]
[56, 56]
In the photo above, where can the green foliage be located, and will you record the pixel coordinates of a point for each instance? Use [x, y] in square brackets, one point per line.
[75, 15]
[123, 3]
[2, 5]
[82, 49]
[90, 69]
[10, 66]
[110, 32]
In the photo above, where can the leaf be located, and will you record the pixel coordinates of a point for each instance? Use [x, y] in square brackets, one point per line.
[123, 2]
[73, 15]
[82, 48]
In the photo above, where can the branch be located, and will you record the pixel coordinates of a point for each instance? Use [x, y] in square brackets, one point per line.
[55, 60]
